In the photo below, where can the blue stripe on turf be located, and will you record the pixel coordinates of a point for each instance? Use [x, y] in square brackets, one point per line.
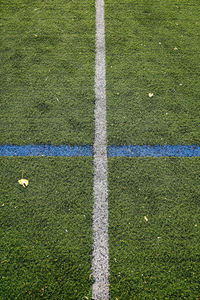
[154, 151]
[113, 151]
[45, 150]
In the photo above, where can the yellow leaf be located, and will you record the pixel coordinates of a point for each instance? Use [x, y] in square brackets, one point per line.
[23, 182]
[150, 95]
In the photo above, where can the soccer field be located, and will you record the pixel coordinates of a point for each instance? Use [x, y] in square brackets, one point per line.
[49, 133]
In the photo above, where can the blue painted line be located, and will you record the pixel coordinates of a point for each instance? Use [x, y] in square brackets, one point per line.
[113, 151]
[45, 150]
[154, 151]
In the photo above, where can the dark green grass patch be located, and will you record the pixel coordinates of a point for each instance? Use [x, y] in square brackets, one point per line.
[46, 228]
[153, 47]
[47, 71]
[154, 228]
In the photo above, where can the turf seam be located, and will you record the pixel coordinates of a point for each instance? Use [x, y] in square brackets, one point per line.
[100, 261]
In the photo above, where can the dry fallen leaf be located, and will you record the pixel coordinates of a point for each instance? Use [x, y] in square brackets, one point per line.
[150, 95]
[175, 49]
[23, 182]
[145, 218]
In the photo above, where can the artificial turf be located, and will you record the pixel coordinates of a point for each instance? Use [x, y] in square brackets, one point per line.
[47, 78]
[152, 46]
[46, 228]
[47, 71]
[154, 228]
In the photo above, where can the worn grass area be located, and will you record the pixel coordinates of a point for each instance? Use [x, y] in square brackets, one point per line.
[153, 47]
[47, 71]
[46, 228]
[154, 228]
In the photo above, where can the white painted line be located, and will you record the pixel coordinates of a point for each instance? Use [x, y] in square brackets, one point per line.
[100, 262]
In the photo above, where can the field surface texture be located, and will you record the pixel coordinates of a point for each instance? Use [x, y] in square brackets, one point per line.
[46, 228]
[48, 107]
[47, 72]
[152, 47]
[154, 228]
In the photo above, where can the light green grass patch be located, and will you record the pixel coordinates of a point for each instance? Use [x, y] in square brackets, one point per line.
[154, 228]
[153, 47]
[47, 71]
[46, 228]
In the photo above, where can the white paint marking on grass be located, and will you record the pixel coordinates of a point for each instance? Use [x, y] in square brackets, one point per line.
[100, 263]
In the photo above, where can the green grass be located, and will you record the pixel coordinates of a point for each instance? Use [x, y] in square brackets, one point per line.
[47, 71]
[141, 42]
[158, 258]
[46, 228]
